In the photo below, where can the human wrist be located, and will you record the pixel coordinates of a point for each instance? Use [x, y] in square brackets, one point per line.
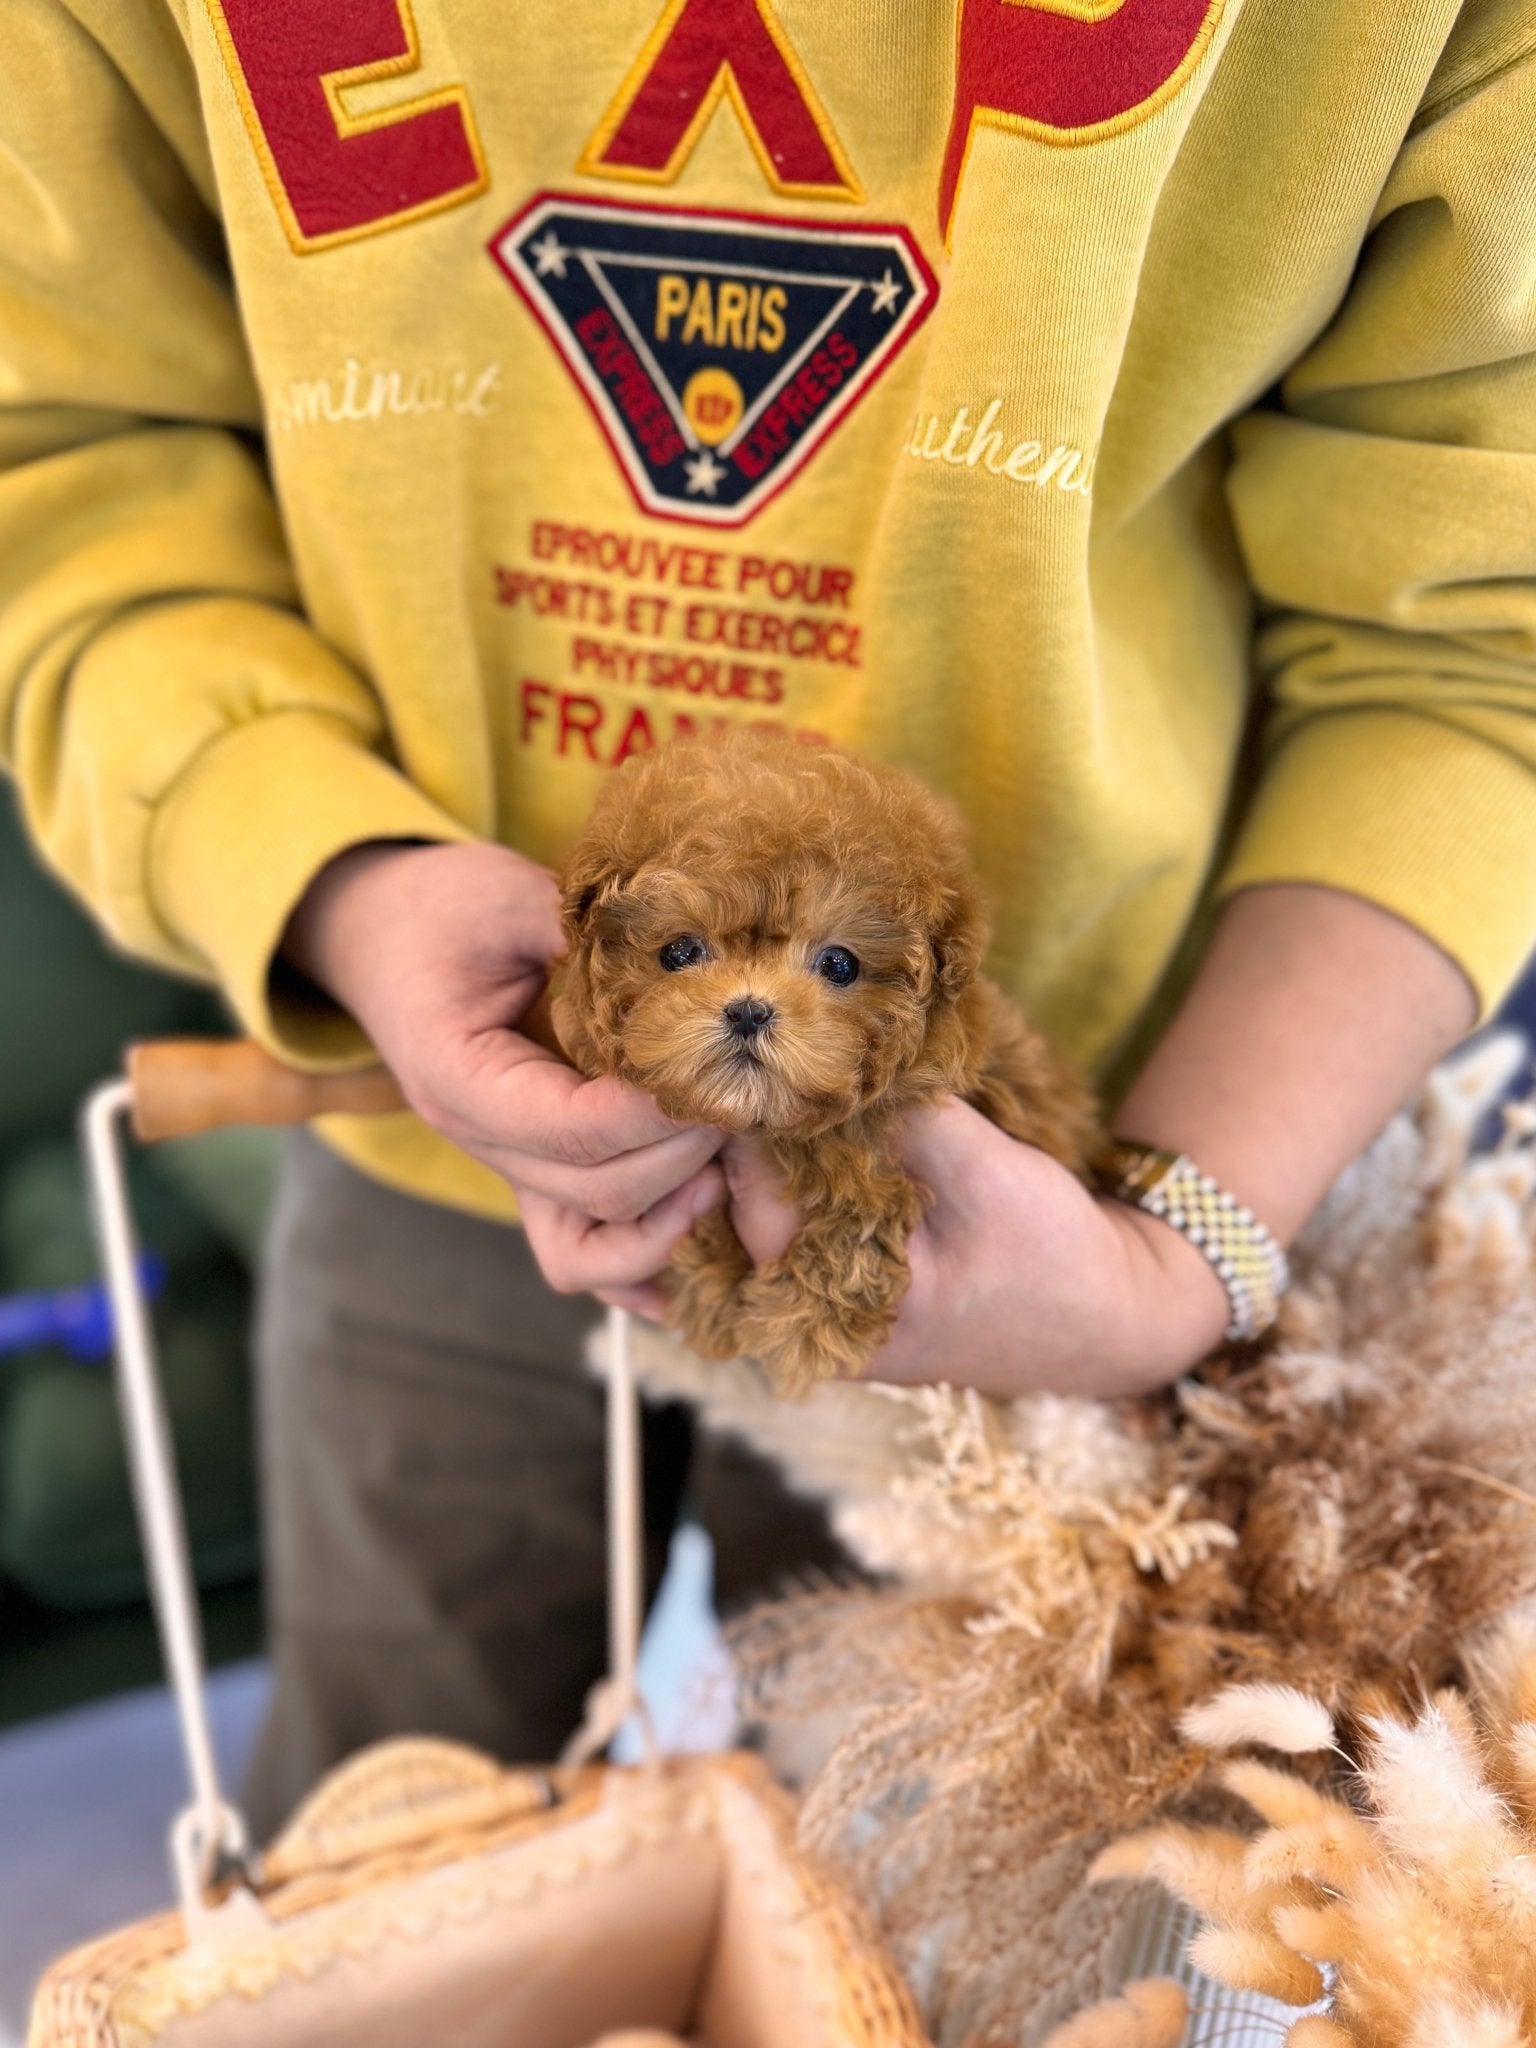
[330, 928]
[1175, 1308]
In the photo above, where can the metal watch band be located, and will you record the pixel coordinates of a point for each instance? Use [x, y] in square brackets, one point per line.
[1245, 1256]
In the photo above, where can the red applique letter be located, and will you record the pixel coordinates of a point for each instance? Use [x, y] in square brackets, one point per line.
[1067, 70]
[699, 51]
[333, 175]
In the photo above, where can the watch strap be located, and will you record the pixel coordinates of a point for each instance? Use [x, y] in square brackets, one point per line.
[1245, 1256]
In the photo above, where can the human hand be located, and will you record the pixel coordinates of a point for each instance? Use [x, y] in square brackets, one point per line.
[1022, 1281]
[439, 952]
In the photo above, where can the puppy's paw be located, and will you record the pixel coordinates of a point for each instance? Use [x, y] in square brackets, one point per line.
[704, 1286]
[801, 1354]
[809, 1318]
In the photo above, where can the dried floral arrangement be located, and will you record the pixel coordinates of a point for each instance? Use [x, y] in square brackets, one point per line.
[1417, 1894]
[1343, 1511]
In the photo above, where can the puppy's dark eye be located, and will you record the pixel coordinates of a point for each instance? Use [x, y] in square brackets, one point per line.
[837, 965]
[684, 952]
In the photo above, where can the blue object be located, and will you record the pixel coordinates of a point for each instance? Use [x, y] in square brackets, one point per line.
[685, 1675]
[1520, 1005]
[78, 1318]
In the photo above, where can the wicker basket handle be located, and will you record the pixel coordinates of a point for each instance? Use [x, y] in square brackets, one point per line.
[184, 1085]
[180, 1086]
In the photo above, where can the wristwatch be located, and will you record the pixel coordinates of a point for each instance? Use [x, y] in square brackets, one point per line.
[1245, 1256]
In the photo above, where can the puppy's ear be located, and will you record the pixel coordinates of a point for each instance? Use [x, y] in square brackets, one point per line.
[579, 903]
[959, 941]
[593, 878]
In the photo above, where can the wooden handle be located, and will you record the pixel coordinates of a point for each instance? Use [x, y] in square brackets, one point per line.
[184, 1085]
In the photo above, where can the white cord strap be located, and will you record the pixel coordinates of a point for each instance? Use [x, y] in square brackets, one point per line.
[210, 1836]
[614, 1698]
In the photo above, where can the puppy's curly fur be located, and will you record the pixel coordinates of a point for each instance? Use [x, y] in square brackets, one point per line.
[779, 939]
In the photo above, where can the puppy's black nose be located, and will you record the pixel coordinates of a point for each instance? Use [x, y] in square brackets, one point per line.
[748, 1015]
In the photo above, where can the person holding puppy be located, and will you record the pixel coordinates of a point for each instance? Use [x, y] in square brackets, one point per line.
[1121, 415]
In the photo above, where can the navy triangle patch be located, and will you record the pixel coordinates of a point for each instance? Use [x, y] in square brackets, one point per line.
[717, 350]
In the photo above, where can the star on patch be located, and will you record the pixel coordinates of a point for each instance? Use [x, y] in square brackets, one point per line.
[549, 255]
[887, 293]
[704, 473]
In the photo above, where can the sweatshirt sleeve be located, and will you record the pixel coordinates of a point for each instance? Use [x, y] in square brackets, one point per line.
[188, 752]
[1386, 510]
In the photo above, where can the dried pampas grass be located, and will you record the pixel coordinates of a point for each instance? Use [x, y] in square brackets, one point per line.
[1152, 2013]
[1420, 1899]
[642, 2037]
[1326, 1522]
[1278, 1716]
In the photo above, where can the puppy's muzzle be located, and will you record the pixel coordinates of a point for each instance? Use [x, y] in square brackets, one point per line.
[748, 1017]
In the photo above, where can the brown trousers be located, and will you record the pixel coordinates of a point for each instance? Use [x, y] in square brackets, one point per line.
[432, 1475]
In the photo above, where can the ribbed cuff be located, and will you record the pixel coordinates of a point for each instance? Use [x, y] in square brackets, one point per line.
[243, 834]
[1428, 821]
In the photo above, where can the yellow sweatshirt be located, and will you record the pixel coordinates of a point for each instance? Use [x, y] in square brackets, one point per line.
[408, 408]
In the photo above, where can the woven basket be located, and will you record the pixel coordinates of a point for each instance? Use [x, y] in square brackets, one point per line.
[425, 1895]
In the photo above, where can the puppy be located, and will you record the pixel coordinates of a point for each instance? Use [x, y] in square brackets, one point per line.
[778, 939]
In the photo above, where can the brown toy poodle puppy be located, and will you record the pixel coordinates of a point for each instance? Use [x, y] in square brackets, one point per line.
[775, 938]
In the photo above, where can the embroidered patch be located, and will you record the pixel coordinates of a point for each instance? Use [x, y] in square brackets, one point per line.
[717, 350]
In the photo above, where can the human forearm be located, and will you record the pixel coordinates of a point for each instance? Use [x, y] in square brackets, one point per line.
[1383, 503]
[1313, 1016]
